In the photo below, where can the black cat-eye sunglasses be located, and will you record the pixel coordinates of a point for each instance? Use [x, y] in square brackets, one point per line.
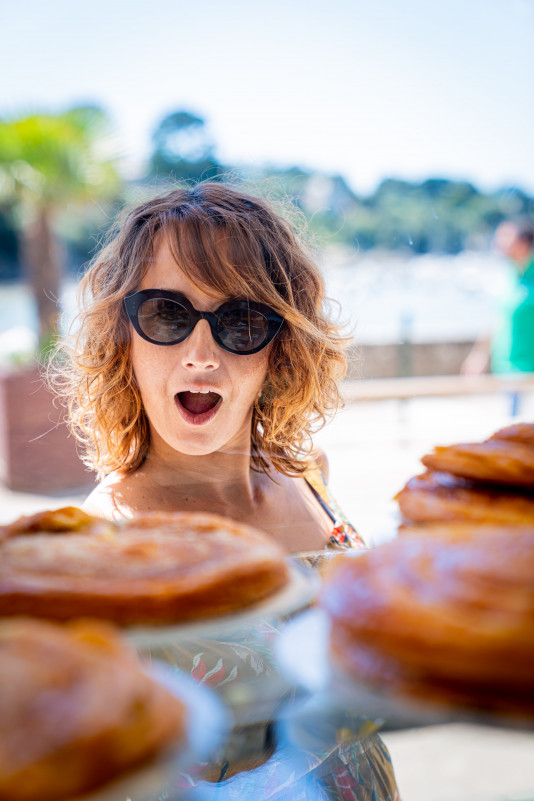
[166, 318]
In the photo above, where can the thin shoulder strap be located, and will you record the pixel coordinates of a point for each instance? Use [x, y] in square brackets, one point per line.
[315, 480]
[344, 534]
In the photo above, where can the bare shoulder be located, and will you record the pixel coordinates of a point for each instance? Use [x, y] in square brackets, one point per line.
[321, 460]
[108, 499]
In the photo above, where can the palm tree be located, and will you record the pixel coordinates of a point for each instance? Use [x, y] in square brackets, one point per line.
[49, 162]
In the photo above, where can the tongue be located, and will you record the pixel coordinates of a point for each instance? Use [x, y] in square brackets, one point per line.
[198, 402]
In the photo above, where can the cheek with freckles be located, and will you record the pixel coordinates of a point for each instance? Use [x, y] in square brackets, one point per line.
[160, 376]
[250, 374]
[152, 369]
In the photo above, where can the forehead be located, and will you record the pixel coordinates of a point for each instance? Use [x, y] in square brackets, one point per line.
[164, 272]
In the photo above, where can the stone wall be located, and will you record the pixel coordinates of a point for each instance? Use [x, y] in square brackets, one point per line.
[407, 359]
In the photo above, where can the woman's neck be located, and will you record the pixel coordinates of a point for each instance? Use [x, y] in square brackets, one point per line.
[219, 481]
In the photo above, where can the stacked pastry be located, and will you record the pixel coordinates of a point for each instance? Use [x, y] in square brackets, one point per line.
[76, 708]
[448, 617]
[490, 481]
[159, 568]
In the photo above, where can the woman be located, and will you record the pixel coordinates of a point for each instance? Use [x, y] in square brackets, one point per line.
[203, 362]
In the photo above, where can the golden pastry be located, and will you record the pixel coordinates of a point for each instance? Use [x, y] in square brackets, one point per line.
[448, 617]
[495, 460]
[160, 568]
[68, 518]
[434, 496]
[519, 432]
[76, 710]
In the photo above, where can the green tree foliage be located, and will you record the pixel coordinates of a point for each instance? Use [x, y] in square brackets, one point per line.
[48, 163]
[436, 215]
[182, 149]
[57, 171]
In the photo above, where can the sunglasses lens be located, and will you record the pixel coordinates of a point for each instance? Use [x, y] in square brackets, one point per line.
[242, 330]
[163, 320]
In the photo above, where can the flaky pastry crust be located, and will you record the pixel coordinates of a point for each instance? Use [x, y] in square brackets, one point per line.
[159, 568]
[76, 710]
[434, 496]
[495, 460]
[448, 617]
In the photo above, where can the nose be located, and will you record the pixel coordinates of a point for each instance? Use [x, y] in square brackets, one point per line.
[199, 350]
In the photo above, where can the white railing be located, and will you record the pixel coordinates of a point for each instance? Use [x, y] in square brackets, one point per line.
[370, 389]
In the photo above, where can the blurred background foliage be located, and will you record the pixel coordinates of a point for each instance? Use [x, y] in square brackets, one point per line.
[61, 186]
[53, 169]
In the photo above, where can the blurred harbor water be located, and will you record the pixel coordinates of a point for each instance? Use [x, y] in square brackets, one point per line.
[424, 299]
[383, 298]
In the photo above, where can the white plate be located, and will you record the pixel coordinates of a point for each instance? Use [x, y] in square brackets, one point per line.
[208, 725]
[296, 595]
[302, 653]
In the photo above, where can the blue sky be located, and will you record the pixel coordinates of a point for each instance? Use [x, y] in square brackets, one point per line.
[366, 88]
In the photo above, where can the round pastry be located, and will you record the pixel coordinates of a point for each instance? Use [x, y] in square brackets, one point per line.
[519, 432]
[495, 460]
[434, 496]
[76, 710]
[448, 618]
[160, 568]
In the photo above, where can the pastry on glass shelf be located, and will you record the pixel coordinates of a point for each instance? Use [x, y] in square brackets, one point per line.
[447, 618]
[76, 710]
[158, 568]
[503, 461]
[434, 496]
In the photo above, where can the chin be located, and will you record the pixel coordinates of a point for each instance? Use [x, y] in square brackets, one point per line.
[197, 446]
[194, 450]
[201, 442]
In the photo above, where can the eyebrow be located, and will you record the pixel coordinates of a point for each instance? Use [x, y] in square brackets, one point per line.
[217, 302]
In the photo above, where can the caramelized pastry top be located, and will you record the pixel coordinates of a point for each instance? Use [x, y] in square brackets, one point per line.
[453, 612]
[158, 568]
[495, 460]
[434, 496]
[76, 709]
[66, 519]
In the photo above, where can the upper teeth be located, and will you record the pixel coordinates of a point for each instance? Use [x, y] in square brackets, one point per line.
[199, 391]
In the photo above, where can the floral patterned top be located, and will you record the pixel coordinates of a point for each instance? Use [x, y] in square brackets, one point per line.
[354, 765]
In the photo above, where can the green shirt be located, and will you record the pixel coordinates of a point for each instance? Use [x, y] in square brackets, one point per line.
[512, 348]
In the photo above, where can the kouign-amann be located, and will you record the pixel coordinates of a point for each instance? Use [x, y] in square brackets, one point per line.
[448, 617]
[434, 496]
[76, 710]
[159, 568]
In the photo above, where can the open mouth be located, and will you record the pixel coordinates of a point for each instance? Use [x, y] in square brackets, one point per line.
[198, 407]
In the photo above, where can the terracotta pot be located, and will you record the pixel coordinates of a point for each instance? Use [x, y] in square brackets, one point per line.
[37, 452]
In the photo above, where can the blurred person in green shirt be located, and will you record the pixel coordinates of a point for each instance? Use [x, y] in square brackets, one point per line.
[510, 347]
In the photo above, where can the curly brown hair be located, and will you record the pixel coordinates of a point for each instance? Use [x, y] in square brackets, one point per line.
[263, 260]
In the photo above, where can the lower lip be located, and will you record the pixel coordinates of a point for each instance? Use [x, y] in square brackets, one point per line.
[197, 419]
